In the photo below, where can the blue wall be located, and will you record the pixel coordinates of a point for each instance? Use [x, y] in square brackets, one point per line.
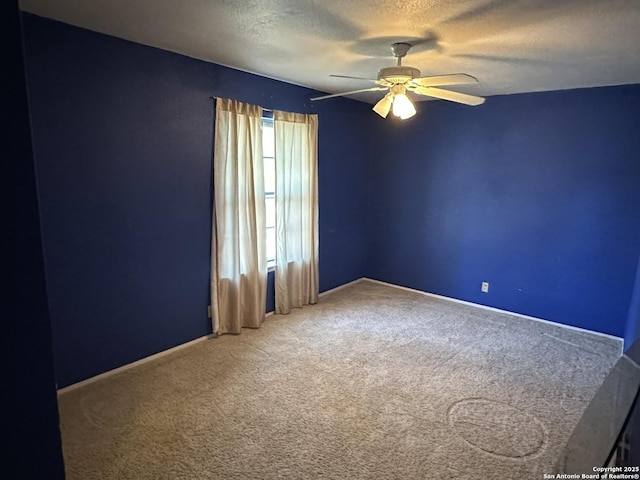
[32, 447]
[632, 333]
[537, 194]
[123, 146]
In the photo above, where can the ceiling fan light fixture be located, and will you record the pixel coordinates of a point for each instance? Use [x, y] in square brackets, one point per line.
[403, 107]
[399, 79]
[383, 107]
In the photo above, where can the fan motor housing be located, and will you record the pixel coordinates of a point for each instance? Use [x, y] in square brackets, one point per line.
[398, 74]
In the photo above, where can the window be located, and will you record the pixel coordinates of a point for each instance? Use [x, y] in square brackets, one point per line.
[268, 156]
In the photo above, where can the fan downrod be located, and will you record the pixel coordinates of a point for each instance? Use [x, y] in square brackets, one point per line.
[390, 76]
[399, 50]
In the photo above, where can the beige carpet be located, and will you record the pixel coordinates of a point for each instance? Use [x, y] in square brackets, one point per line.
[373, 382]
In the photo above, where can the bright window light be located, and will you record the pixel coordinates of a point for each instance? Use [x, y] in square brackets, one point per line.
[269, 188]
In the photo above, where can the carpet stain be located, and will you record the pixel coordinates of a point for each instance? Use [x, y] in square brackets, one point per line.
[497, 428]
[357, 387]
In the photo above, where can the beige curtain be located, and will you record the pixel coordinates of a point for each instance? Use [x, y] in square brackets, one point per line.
[296, 152]
[238, 256]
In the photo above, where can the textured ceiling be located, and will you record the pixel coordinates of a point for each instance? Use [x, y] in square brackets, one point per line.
[511, 46]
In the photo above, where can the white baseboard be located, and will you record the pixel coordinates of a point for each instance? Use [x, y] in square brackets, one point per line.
[498, 310]
[109, 373]
[340, 287]
[123, 368]
[327, 292]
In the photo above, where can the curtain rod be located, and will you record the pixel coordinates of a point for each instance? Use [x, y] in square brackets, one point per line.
[263, 108]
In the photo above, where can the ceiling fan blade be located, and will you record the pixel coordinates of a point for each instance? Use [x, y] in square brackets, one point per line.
[453, 79]
[451, 96]
[354, 78]
[372, 89]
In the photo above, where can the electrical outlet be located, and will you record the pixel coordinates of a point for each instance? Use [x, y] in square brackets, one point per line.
[485, 287]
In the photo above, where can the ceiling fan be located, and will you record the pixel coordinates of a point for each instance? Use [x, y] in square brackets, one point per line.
[400, 79]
